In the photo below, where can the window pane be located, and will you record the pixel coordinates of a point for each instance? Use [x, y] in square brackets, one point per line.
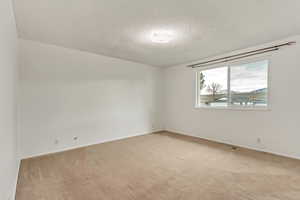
[249, 84]
[212, 87]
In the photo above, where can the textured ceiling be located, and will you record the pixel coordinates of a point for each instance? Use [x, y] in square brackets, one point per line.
[120, 28]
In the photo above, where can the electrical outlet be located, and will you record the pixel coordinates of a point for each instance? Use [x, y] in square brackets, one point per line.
[258, 140]
[260, 143]
[56, 141]
[75, 138]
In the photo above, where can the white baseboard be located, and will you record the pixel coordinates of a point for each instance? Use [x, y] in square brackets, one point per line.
[237, 145]
[12, 194]
[88, 144]
[159, 130]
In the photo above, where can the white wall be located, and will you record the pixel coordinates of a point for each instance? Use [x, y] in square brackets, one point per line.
[66, 93]
[277, 128]
[8, 60]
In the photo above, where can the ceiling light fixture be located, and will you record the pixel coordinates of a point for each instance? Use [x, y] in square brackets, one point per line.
[162, 36]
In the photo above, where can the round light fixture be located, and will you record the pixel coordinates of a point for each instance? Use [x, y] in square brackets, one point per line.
[162, 36]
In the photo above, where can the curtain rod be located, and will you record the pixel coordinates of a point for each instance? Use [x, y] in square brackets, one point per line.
[241, 55]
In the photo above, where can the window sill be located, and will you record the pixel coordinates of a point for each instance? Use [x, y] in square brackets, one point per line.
[235, 108]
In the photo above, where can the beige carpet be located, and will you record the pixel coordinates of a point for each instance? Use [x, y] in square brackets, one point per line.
[160, 166]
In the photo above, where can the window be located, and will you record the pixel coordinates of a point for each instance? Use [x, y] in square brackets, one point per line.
[234, 86]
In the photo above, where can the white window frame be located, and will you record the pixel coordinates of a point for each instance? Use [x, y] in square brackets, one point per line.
[229, 65]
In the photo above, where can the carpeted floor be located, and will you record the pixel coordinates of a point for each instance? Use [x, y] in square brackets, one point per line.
[162, 166]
